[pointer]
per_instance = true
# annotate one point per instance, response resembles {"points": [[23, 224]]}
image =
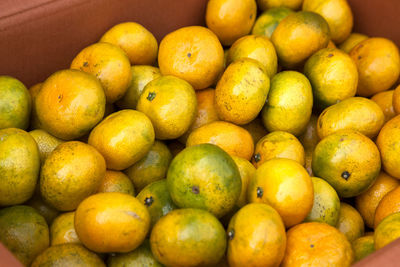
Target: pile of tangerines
{"points": [[282, 149]]}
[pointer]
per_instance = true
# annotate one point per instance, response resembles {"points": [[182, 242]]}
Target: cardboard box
{"points": [[38, 37]]}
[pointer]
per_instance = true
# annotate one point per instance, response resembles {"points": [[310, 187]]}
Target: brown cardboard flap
{"points": [[7, 259], [388, 256], [377, 18], [38, 37]]}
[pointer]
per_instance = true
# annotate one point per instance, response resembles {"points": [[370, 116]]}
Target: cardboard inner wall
{"points": [[38, 37]]}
